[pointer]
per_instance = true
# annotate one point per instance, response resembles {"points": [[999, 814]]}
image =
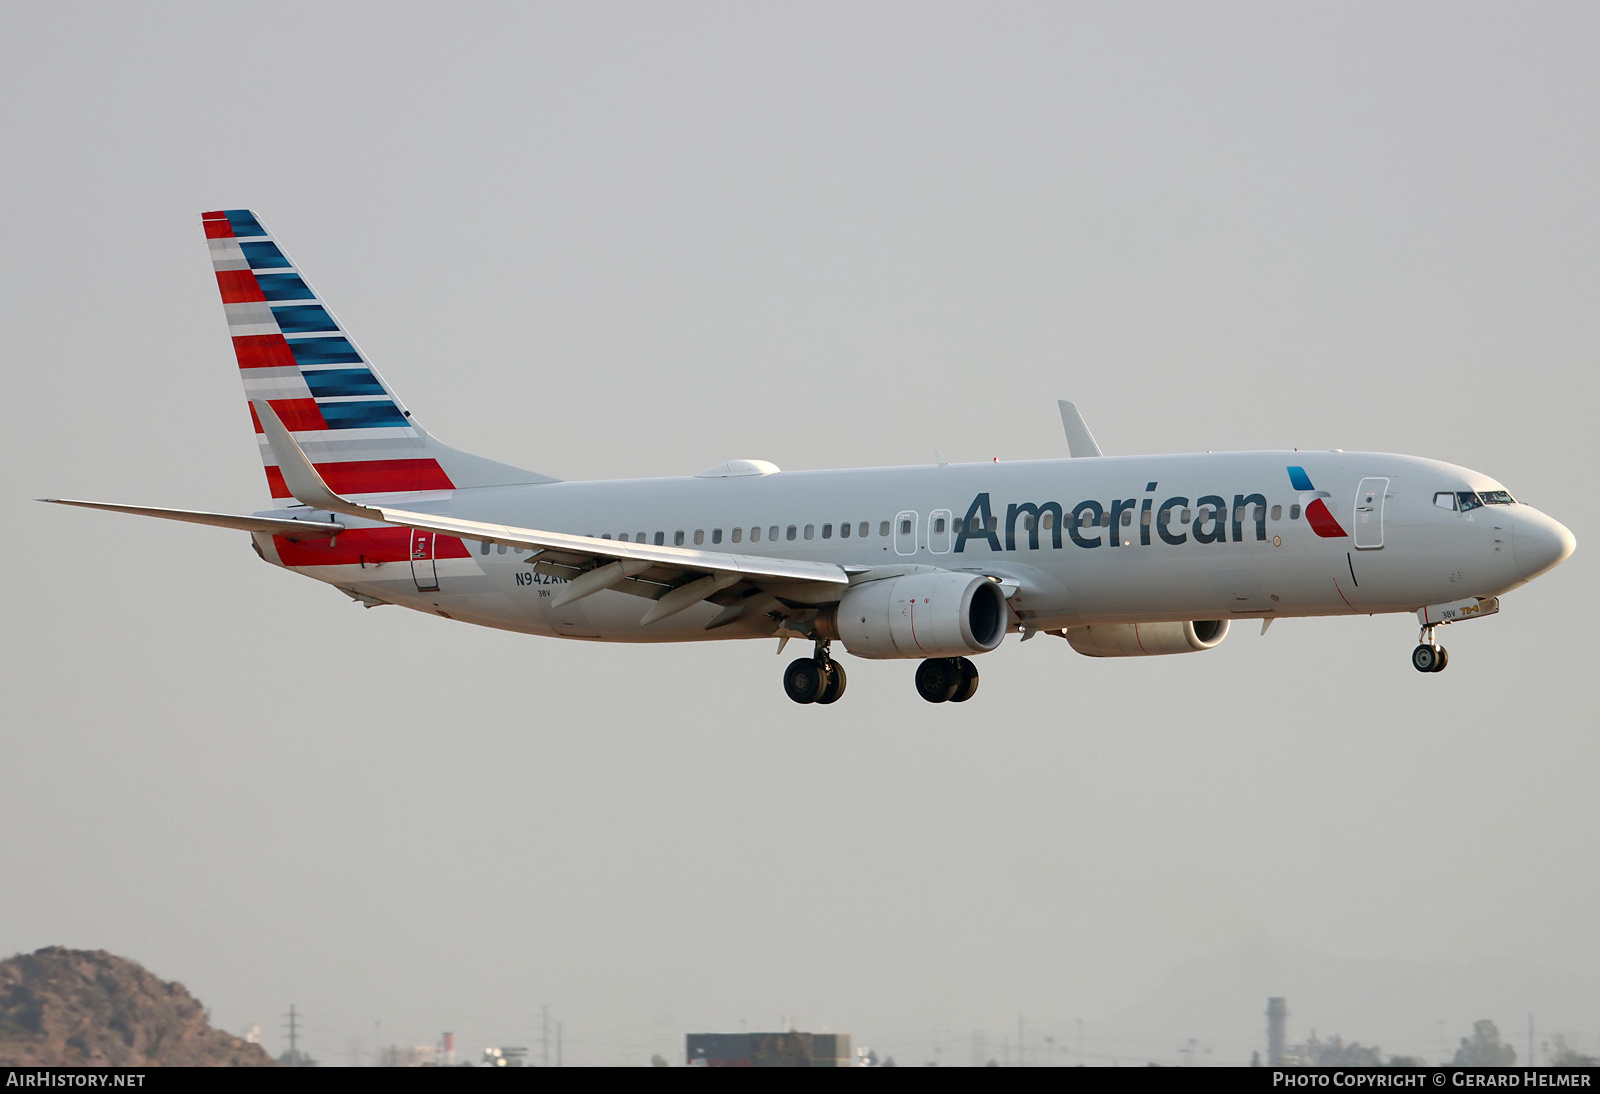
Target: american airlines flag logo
{"points": [[1317, 514]]}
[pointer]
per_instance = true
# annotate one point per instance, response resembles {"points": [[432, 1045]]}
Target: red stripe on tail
{"points": [[372, 477], [297, 415], [263, 351], [238, 286]]}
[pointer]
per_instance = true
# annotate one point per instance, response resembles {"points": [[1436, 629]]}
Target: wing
{"points": [[675, 578]]}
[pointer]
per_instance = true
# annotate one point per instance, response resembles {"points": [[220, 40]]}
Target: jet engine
{"points": [[1147, 639], [939, 614]]}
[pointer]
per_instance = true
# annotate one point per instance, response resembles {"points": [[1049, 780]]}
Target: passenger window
{"points": [[1257, 513], [1146, 517], [994, 524], [938, 526], [500, 548], [863, 530], [811, 530], [661, 539], [791, 533], [827, 531], [1277, 512], [1127, 518], [1048, 520], [755, 534], [1184, 517], [1294, 511], [605, 535], [699, 536], [1105, 520], [905, 528], [883, 528], [716, 535], [1445, 499], [738, 534], [483, 547], [772, 533]]}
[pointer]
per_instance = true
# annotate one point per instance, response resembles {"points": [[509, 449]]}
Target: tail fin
{"points": [[295, 355]]}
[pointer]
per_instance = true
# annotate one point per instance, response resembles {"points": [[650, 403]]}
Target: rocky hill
{"points": [[89, 1008]]}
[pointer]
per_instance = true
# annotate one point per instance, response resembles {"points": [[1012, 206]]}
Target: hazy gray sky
{"points": [[636, 239]]}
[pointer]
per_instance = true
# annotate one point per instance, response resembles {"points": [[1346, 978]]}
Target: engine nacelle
{"points": [[1147, 639], [919, 615]]}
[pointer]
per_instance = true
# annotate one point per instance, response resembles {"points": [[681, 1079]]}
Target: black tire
{"points": [[938, 678], [803, 680], [968, 687], [1425, 658], [1444, 659], [834, 685]]}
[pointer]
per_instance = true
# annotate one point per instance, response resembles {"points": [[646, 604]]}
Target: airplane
{"points": [[1122, 556]]}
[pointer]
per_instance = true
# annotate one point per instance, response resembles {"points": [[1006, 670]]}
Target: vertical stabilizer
{"points": [[294, 354]]}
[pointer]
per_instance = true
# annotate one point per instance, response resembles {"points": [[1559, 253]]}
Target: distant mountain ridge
{"points": [[90, 1008]]}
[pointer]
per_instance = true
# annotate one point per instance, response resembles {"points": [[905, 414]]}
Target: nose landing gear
{"points": [[1429, 656], [815, 679]]}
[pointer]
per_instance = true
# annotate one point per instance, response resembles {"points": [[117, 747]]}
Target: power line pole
{"points": [[294, 1032]]}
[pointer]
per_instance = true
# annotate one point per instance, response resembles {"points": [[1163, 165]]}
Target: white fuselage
{"points": [[1202, 536]]}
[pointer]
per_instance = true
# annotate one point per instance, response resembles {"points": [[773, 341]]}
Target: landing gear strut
{"points": [[815, 679], [947, 679], [1429, 656]]}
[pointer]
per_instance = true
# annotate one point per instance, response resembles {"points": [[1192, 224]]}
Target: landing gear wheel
{"points": [[1426, 658], [803, 680], [833, 687], [1443, 660], [968, 687], [938, 679]]}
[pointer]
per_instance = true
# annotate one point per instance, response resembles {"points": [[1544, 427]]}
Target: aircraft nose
{"points": [[1539, 543]]}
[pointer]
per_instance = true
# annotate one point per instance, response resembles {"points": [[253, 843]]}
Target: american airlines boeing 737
{"points": [[1122, 556]]}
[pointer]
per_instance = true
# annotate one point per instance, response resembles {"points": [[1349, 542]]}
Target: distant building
{"points": [[792, 1049]]}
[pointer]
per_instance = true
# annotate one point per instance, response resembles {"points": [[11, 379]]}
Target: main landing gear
{"points": [[947, 679], [815, 679], [1429, 656]]}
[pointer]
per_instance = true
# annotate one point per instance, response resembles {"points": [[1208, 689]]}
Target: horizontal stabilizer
{"points": [[294, 529]]}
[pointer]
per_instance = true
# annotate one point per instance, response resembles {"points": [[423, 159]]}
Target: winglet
{"points": [[299, 473], [1080, 442]]}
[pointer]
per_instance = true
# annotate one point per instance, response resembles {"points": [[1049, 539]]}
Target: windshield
{"points": [[1469, 500], [1496, 497]]}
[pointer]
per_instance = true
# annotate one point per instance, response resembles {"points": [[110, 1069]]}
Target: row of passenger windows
{"points": [[773, 532], [1463, 500], [863, 529]]}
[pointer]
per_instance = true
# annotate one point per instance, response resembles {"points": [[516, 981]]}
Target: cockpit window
{"points": [[1445, 500], [1496, 497], [1469, 500]]}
